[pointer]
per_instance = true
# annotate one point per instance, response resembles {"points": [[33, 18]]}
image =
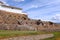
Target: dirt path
{"points": [[34, 37]]}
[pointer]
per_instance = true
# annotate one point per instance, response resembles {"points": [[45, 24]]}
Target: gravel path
{"points": [[33, 37]]}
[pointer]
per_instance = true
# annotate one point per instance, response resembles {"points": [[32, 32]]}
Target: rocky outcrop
{"points": [[14, 21]]}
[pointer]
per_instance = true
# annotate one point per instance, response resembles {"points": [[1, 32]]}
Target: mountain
{"points": [[14, 19]]}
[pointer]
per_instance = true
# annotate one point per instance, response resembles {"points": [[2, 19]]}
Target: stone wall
{"points": [[14, 21]]}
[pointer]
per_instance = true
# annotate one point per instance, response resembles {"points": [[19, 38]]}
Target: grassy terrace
{"points": [[56, 36], [10, 33]]}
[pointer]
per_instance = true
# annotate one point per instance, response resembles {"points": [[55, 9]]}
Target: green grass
{"points": [[56, 36], [10, 33]]}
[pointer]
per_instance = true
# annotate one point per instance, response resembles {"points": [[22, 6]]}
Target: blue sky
{"points": [[48, 10]]}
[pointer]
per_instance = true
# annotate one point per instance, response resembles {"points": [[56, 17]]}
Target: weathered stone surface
{"points": [[16, 27], [14, 21]]}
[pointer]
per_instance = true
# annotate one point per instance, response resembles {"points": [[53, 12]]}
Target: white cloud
{"points": [[4, 2], [11, 10], [34, 6], [42, 3], [18, 0], [57, 17]]}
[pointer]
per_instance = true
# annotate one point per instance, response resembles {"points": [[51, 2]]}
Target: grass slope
{"points": [[10, 33], [56, 36]]}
